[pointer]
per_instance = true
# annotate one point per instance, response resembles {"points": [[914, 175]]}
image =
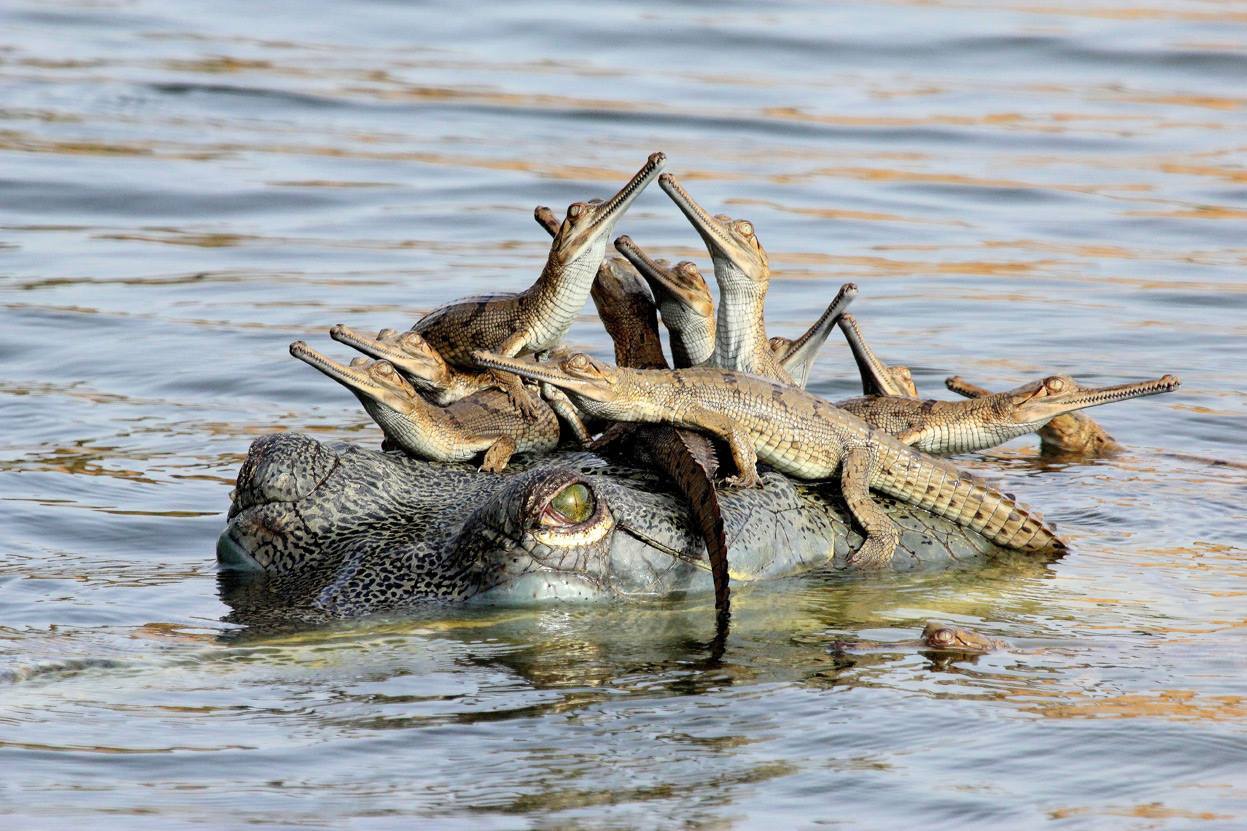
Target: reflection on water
{"points": [[1018, 188]]}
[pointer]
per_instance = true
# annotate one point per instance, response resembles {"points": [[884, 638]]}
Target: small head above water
{"points": [[942, 638], [588, 224], [731, 242]]}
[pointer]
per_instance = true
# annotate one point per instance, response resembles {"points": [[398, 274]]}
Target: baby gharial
{"points": [[486, 422], [981, 423], [799, 434]]}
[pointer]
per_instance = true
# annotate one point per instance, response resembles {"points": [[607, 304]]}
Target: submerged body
{"points": [[337, 530]]}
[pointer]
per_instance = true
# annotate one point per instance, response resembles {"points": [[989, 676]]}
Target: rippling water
{"points": [[1018, 188]]}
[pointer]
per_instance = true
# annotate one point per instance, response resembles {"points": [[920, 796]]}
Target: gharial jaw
{"points": [[682, 282], [1040, 401], [588, 224], [738, 256], [409, 352], [378, 381], [597, 389]]}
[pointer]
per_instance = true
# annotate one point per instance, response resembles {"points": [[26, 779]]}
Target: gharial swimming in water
{"points": [[320, 530]]}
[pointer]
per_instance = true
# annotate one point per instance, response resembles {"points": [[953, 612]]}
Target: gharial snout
{"points": [[281, 467]]}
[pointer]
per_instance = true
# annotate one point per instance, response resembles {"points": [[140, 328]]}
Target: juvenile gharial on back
{"points": [[799, 434], [486, 422], [537, 318], [743, 272]]}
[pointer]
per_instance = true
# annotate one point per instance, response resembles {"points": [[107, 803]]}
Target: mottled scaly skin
{"points": [[980, 423], [688, 458], [542, 314], [741, 342], [627, 312], [683, 299], [743, 273], [320, 530], [488, 422]]}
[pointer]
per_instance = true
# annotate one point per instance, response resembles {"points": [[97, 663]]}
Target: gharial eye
{"points": [[575, 209], [942, 636], [1055, 384], [572, 505], [744, 228]]}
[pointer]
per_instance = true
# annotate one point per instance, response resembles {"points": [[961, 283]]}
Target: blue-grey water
{"points": [[1019, 188]]}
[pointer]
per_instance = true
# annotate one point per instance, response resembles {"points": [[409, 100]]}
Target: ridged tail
{"points": [[689, 458], [944, 491]]}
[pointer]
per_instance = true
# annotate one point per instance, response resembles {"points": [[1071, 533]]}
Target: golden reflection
{"points": [[1177, 705], [1149, 810]]}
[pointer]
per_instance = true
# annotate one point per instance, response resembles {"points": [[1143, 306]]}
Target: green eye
{"points": [[573, 504]]}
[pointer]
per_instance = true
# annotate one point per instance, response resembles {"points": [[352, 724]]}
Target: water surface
{"points": [[1019, 189]]}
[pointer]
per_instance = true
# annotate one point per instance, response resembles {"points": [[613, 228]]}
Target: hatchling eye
{"points": [[575, 209], [1055, 385], [359, 363], [942, 636], [387, 334], [570, 506], [744, 228]]}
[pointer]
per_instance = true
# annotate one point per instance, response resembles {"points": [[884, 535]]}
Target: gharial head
{"points": [[597, 388], [944, 638], [1057, 394], [681, 284], [345, 531], [370, 380], [411, 354], [732, 243], [588, 225], [627, 311]]}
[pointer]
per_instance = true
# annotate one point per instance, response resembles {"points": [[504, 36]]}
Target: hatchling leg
{"points": [[882, 535], [498, 454], [744, 455], [566, 411], [517, 393]]}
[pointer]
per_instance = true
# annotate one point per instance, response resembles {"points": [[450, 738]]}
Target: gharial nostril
{"points": [[281, 467]]}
